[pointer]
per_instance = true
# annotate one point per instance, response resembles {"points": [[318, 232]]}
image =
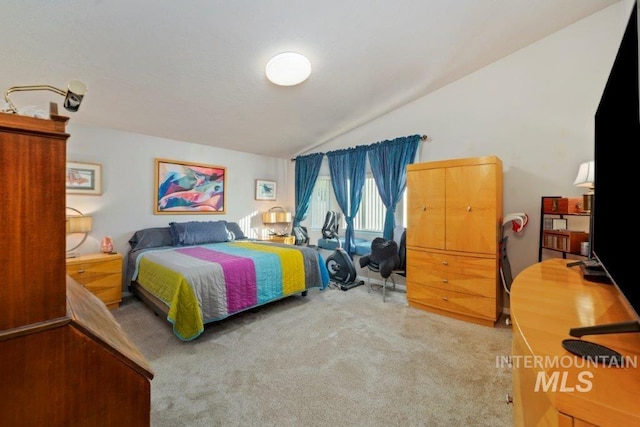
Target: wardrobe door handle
{"points": [[445, 262], [468, 208], [445, 280], [445, 299]]}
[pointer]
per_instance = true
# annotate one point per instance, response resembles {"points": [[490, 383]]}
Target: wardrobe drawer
{"points": [[421, 261], [456, 302], [472, 285]]}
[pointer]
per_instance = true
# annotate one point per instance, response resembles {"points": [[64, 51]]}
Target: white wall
{"points": [[534, 109], [127, 201]]}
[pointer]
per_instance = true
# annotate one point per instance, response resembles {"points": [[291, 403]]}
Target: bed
{"points": [[200, 272]]}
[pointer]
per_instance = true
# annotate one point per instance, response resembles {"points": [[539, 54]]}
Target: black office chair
{"points": [[387, 258]]}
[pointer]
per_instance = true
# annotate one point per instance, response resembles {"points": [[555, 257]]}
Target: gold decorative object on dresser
{"points": [[64, 360], [552, 387], [453, 233], [101, 274]]}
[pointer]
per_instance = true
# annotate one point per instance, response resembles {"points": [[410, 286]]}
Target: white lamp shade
{"points": [[288, 69], [586, 175]]}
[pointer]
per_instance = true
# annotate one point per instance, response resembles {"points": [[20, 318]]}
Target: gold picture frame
{"points": [[189, 188]]}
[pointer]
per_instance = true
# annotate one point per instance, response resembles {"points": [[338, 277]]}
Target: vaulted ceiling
{"points": [[194, 70]]}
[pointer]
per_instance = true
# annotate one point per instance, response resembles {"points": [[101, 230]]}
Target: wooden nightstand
{"points": [[99, 273], [288, 240]]}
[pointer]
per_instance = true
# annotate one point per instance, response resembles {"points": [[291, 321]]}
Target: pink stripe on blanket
{"points": [[239, 276]]}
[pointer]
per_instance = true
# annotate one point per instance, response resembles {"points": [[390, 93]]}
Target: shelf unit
{"points": [[564, 241]]}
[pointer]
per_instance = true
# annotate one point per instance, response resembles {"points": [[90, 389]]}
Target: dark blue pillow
{"points": [[151, 238], [198, 232], [235, 232]]}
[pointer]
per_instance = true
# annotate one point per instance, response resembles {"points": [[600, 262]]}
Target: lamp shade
{"points": [[79, 224], [276, 217], [586, 175], [288, 69]]}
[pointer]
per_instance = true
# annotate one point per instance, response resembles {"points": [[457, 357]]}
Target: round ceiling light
{"points": [[288, 69]]}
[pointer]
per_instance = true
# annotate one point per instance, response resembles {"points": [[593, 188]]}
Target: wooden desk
{"points": [[547, 299]]}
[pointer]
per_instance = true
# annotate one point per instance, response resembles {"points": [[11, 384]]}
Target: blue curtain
{"points": [[307, 168], [389, 160], [347, 168]]}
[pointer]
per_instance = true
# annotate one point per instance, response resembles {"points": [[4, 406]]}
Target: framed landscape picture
{"points": [[265, 190], [84, 178], [189, 188]]}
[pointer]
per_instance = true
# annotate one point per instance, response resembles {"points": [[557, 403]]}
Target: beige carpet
{"points": [[332, 358]]}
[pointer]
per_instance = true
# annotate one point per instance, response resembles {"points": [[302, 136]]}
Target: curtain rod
{"points": [[422, 138]]}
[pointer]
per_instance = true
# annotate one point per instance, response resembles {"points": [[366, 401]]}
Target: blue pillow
{"points": [[235, 232], [198, 232], [151, 238]]}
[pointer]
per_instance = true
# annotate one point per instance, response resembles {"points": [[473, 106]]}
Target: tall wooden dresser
{"points": [[453, 235], [64, 360]]}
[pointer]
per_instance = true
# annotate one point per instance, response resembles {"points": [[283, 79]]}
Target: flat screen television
{"points": [[617, 131]]}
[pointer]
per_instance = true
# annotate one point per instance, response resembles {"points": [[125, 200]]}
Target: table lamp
{"points": [[72, 96], [78, 223], [586, 178], [277, 215]]}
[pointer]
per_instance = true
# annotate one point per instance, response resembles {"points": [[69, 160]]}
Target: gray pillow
{"points": [[151, 238], [235, 232], [198, 232]]}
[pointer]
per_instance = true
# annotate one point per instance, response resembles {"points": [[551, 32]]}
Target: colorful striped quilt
{"points": [[206, 283]]}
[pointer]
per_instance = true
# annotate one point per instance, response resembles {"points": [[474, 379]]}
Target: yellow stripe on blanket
{"points": [[175, 291], [293, 277]]}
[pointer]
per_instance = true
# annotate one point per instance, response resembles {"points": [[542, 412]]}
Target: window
{"points": [[322, 200], [370, 215]]}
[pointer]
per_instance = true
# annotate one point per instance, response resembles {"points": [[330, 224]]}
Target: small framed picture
{"points": [[265, 190], [84, 178], [559, 224]]}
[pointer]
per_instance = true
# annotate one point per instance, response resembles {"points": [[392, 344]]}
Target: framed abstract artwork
{"points": [[265, 190], [84, 178], [189, 188]]}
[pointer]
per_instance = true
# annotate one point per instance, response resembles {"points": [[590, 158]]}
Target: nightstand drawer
{"points": [[88, 270], [101, 274]]}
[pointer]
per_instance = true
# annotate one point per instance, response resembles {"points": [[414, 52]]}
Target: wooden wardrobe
{"points": [[64, 360], [453, 235]]}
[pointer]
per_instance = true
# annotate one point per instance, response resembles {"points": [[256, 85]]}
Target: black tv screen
{"points": [[617, 134]]}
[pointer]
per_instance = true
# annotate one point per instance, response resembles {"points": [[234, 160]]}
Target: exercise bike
{"points": [[342, 271]]}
